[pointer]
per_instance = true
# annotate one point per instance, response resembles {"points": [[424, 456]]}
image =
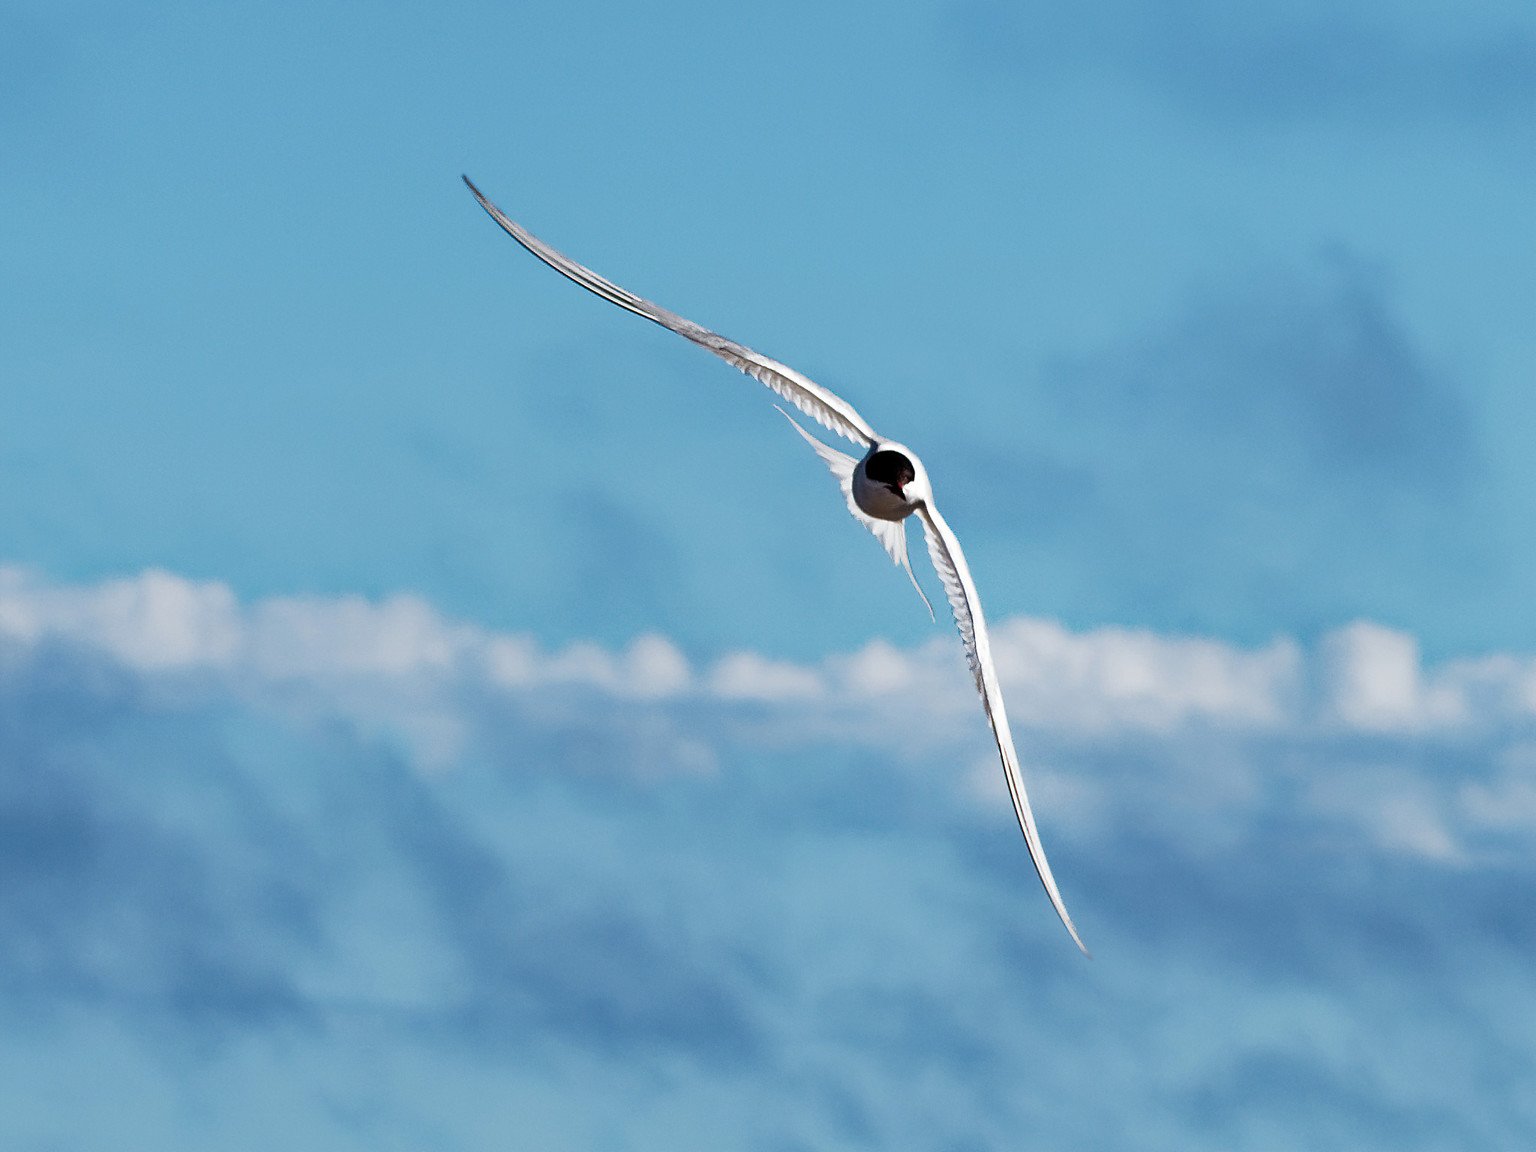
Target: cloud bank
{"points": [[346, 873]]}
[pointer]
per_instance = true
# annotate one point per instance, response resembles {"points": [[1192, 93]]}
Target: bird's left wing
{"points": [[801, 391], [945, 552]]}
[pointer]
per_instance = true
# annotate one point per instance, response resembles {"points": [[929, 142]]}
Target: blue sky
{"points": [[440, 710]]}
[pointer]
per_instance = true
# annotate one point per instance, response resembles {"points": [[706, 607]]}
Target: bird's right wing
{"points": [[805, 394], [945, 552], [892, 534]]}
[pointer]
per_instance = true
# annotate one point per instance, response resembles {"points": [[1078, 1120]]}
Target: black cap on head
{"points": [[890, 468]]}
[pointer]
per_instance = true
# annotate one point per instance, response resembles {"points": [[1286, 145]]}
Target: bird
{"points": [[883, 487]]}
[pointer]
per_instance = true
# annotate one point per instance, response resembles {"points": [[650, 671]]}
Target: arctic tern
{"points": [[883, 487]]}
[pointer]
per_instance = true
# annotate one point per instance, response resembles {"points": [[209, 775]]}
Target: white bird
{"points": [[883, 487]]}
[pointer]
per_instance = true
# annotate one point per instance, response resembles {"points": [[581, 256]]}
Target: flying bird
{"points": [[883, 487]]}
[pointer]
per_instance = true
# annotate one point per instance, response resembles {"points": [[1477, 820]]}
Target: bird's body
{"points": [[883, 487], [889, 483]]}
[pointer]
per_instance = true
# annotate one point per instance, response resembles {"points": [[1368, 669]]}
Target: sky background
{"points": [[438, 710]]}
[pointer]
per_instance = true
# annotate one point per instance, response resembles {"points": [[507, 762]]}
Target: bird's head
{"points": [[898, 469]]}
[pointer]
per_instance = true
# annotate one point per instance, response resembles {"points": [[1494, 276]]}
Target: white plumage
{"points": [[883, 488]]}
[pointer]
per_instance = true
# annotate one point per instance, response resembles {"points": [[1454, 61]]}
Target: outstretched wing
{"points": [[892, 534], [950, 562], [804, 393]]}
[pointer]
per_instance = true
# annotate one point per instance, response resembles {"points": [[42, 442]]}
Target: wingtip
{"points": [[1066, 922], [912, 576], [798, 427]]}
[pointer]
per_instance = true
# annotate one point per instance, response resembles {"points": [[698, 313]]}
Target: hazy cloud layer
{"points": [[376, 872]]}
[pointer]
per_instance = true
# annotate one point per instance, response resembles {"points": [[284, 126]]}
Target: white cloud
{"points": [[1113, 678], [152, 622], [310, 637], [1363, 677], [398, 668], [1373, 681], [654, 669], [748, 676], [1372, 678]]}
